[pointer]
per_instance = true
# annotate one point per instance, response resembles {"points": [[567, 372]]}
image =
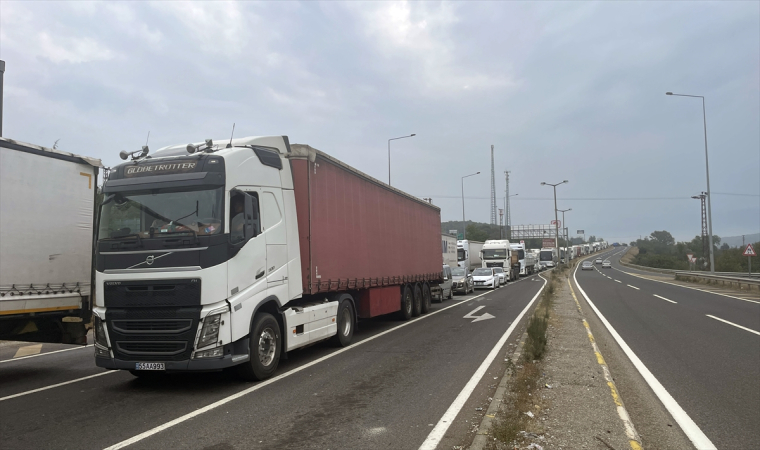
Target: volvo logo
{"points": [[149, 260]]}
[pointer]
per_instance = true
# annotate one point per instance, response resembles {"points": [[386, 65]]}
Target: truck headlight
{"points": [[210, 330], [100, 332]]}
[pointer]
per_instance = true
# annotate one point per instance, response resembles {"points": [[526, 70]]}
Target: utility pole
{"points": [[501, 222], [701, 197], [556, 219], [2, 82], [464, 224], [508, 230], [493, 192]]}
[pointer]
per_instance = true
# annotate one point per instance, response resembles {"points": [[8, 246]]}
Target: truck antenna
{"points": [[146, 139], [233, 133]]}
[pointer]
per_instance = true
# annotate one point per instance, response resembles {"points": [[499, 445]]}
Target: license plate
{"points": [[150, 366], [478, 282]]}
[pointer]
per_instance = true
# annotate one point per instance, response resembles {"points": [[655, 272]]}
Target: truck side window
{"points": [[245, 220]]}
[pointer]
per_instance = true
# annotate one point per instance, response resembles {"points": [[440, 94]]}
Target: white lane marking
{"points": [[667, 300], [44, 354], [618, 281], [687, 287], [485, 316], [262, 384], [731, 323], [21, 394], [632, 287], [435, 436], [28, 350], [692, 431]]}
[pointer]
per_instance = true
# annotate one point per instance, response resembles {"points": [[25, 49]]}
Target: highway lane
{"points": [[384, 392], [709, 367]]}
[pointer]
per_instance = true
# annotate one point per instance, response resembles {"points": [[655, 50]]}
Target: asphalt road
{"points": [[710, 367], [387, 390]]}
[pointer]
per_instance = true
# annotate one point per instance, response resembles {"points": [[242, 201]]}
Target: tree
{"points": [[663, 237], [724, 246], [592, 239], [476, 233]]}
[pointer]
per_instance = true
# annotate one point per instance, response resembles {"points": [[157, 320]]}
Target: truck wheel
{"points": [[264, 347], [417, 309], [346, 321], [407, 298], [426, 301]]}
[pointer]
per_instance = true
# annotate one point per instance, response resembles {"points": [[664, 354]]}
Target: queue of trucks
{"points": [[204, 256]]}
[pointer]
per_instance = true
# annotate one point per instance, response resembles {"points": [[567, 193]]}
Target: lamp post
{"points": [[556, 224], [563, 211], [707, 172], [464, 225], [389, 154]]}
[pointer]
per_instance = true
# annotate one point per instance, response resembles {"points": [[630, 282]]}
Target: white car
{"points": [[485, 278], [502, 275]]}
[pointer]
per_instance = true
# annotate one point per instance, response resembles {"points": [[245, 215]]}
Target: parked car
{"points": [[598, 260], [447, 287], [462, 280], [587, 265], [485, 278], [502, 275], [606, 265]]}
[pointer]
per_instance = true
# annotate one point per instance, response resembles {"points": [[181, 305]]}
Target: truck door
{"points": [[246, 270]]}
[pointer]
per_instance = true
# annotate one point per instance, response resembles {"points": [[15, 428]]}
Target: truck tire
{"points": [[346, 320], [407, 298], [264, 349], [417, 305], [426, 301]]}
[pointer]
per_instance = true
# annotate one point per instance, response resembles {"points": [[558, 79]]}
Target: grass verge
{"points": [[512, 423]]}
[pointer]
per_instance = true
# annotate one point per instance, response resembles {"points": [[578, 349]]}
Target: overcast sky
{"points": [[562, 90]]}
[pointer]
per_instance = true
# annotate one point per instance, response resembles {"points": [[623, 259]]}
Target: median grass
{"points": [[512, 423]]}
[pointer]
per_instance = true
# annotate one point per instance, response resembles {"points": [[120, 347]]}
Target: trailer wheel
{"points": [[346, 321], [407, 298], [417, 309], [264, 347], [426, 301]]}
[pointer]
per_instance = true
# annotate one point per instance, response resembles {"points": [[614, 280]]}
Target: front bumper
{"points": [[209, 364]]}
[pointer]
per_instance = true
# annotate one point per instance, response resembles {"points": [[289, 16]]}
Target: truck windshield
{"points": [[520, 254], [460, 254], [495, 253], [147, 214], [546, 255]]}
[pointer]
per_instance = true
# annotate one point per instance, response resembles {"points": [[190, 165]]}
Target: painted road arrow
{"points": [[485, 316]]}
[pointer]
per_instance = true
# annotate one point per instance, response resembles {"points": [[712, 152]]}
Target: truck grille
{"points": [[495, 264], [165, 326], [151, 348]]}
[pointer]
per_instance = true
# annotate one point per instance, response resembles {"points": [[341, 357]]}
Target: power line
{"points": [[568, 198], [731, 193]]}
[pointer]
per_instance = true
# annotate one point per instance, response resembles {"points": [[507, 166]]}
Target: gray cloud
{"points": [[563, 90]]}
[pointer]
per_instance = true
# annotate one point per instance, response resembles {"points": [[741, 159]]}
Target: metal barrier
{"points": [[749, 283], [696, 272]]}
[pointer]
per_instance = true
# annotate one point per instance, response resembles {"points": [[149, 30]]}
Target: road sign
{"points": [[580, 232], [548, 243], [460, 236], [689, 256], [522, 242], [749, 251], [692, 259], [557, 222]]}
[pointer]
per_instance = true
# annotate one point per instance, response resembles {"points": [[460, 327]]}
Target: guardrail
{"points": [[743, 283], [697, 272]]}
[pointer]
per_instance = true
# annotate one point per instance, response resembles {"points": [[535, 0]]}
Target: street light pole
{"points": [[389, 154], [464, 225], [556, 219], [707, 171], [564, 225], [508, 226]]}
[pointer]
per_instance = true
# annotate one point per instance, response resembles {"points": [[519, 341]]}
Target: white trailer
{"points": [[548, 257], [47, 202], [449, 249], [468, 254], [527, 259]]}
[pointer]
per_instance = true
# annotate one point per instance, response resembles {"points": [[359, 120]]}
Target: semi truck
{"points": [[548, 257], [527, 259], [449, 249], [211, 256], [468, 254], [499, 253], [47, 203]]}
